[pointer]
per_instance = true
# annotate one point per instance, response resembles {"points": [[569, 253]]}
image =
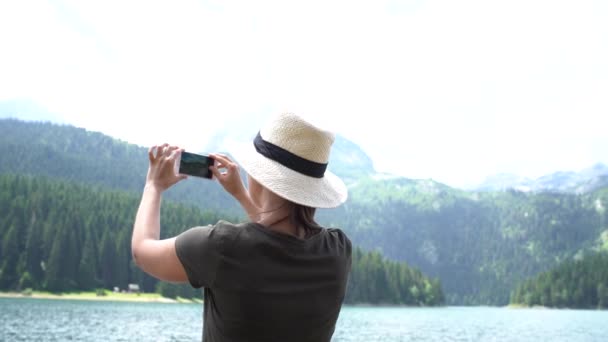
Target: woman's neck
{"points": [[278, 221], [273, 212]]}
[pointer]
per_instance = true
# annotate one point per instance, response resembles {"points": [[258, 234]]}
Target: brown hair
{"points": [[303, 217]]}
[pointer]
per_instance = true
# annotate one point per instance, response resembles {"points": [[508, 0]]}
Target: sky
{"points": [[450, 90]]}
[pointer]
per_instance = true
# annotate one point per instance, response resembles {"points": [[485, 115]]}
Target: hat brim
{"points": [[326, 192]]}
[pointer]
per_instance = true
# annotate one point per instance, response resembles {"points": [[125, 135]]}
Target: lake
{"points": [[72, 320]]}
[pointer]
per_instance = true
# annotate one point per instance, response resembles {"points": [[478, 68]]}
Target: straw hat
{"points": [[289, 157]]}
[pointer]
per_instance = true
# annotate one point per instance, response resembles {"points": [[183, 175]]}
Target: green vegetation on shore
{"points": [[376, 280], [97, 295], [579, 283]]}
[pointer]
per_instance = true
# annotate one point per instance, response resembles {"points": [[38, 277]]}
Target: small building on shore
{"points": [[134, 288]]}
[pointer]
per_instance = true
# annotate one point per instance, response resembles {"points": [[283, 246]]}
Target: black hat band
{"points": [[288, 159]]}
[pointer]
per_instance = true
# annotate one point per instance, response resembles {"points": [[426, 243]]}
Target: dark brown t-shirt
{"points": [[265, 286]]}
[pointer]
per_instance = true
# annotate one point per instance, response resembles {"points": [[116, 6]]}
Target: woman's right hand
{"points": [[161, 172]]}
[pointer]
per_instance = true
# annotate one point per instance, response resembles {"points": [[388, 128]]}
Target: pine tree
{"points": [[55, 280], [33, 253], [123, 253], [107, 261], [87, 268], [10, 257], [602, 294]]}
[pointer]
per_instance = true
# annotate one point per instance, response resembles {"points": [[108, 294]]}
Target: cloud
{"points": [[451, 90]]}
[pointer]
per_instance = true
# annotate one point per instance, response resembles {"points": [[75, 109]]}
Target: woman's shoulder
{"points": [[233, 230], [235, 227], [220, 230], [336, 232], [339, 237]]}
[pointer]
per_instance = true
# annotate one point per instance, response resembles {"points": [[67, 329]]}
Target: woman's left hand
{"points": [[161, 172], [230, 178]]}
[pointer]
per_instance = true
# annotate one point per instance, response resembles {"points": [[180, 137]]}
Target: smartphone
{"points": [[196, 165]]}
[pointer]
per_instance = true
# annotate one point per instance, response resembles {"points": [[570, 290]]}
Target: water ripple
{"points": [[64, 320]]}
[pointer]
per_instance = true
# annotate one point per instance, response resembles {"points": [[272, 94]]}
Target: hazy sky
{"points": [[449, 90]]}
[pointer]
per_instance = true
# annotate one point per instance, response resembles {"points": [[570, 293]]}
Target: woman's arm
{"points": [[154, 256]]}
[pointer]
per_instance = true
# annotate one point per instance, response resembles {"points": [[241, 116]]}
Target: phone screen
{"points": [[195, 165]]}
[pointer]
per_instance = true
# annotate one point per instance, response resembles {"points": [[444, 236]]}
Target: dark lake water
{"points": [[65, 320]]}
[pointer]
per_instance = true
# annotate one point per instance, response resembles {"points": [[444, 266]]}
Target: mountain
{"points": [[505, 181], [75, 154], [479, 244], [584, 181]]}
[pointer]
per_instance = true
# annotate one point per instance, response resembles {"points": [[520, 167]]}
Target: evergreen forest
{"points": [[580, 283], [59, 236]]}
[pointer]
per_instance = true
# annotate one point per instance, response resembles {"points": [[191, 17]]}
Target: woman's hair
{"points": [[303, 217]]}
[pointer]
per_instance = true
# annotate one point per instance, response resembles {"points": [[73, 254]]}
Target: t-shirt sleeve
{"points": [[199, 249]]}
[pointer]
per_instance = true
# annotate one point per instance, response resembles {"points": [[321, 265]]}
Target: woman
{"points": [[279, 277]]}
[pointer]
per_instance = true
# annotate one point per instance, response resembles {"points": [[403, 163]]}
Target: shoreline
{"points": [[157, 298], [109, 297]]}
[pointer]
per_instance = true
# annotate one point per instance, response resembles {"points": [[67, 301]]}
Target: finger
{"points": [[177, 150], [219, 157], [216, 162], [178, 153], [163, 148], [224, 166], [173, 152], [222, 159], [151, 153], [216, 173]]}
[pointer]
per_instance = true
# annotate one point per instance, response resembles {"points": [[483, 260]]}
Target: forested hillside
{"points": [[61, 236], [581, 283], [75, 154], [479, 244]]}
